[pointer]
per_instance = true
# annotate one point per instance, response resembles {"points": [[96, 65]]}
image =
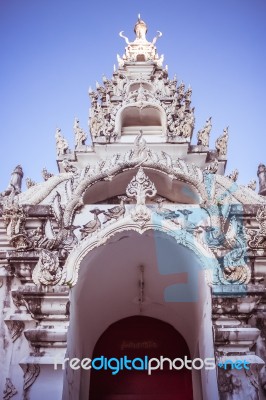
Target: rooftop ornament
{"points": [[135, 48]]}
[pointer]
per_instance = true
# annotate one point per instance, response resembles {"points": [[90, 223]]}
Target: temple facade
{"points": [[139, 247]]}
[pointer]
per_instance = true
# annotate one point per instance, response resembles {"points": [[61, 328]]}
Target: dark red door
{"points": [[139, 337]]}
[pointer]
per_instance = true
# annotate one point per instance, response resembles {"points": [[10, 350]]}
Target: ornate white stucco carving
{"points": [[204, 134], [141, 187], [252, 184], [30, 183], [80, 135], [61, 143], [47, 270], [152, 91], [141, 124], [31, 373], [257, 237], [140, 46], [221, 143], [234, 175], [207, 257], [9, 390]]}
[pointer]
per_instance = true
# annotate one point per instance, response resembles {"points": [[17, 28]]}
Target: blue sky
{"points": [[53, 50]]}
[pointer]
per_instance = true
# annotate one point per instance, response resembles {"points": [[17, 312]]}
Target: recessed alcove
{"points": [[140, 57], [149, 118], [138, 116]]}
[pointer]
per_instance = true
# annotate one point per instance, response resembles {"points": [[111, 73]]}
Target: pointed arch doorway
{"points": [[137, 337]]}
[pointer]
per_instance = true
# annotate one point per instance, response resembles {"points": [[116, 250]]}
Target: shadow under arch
{"points": [[105, 272], [177, 190], [139, 338]]}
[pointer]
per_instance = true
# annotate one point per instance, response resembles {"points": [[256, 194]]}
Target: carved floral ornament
{"points": [[141, 187]]}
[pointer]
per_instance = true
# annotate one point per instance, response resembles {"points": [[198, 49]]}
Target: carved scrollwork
{"points": [[180, 120], [252, 184], [234, 175], [14, 217], [47, 271], [257, 238], [15, 328], [235, 274], [228, 382], [46, 175], [204, 134], [221, 143], [212, 168], [31, 373], [9, 390], [30, 183], [102, 122]]}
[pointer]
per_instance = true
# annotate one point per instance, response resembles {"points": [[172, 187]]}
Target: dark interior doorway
{"points": [[134, 337]]}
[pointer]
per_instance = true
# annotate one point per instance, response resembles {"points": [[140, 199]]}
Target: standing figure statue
{"points": [[80, 135], [204, 133], [15, 183], [61, 143]]}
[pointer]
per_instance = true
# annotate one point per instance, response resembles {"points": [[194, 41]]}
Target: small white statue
{"points": [[61, 143], [80, 135]]}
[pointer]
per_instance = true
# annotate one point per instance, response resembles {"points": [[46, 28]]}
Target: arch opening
{"points": [[108, 290], [138, 337]]}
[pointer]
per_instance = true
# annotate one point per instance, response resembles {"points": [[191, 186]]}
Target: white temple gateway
{"points": [[138, 248]]}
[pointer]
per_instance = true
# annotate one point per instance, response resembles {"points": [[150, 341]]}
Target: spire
{"points": [[140, 49], [140, 30]]}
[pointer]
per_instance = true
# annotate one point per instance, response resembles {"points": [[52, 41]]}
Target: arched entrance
{"points": [[149, 275], [137, 337]]}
